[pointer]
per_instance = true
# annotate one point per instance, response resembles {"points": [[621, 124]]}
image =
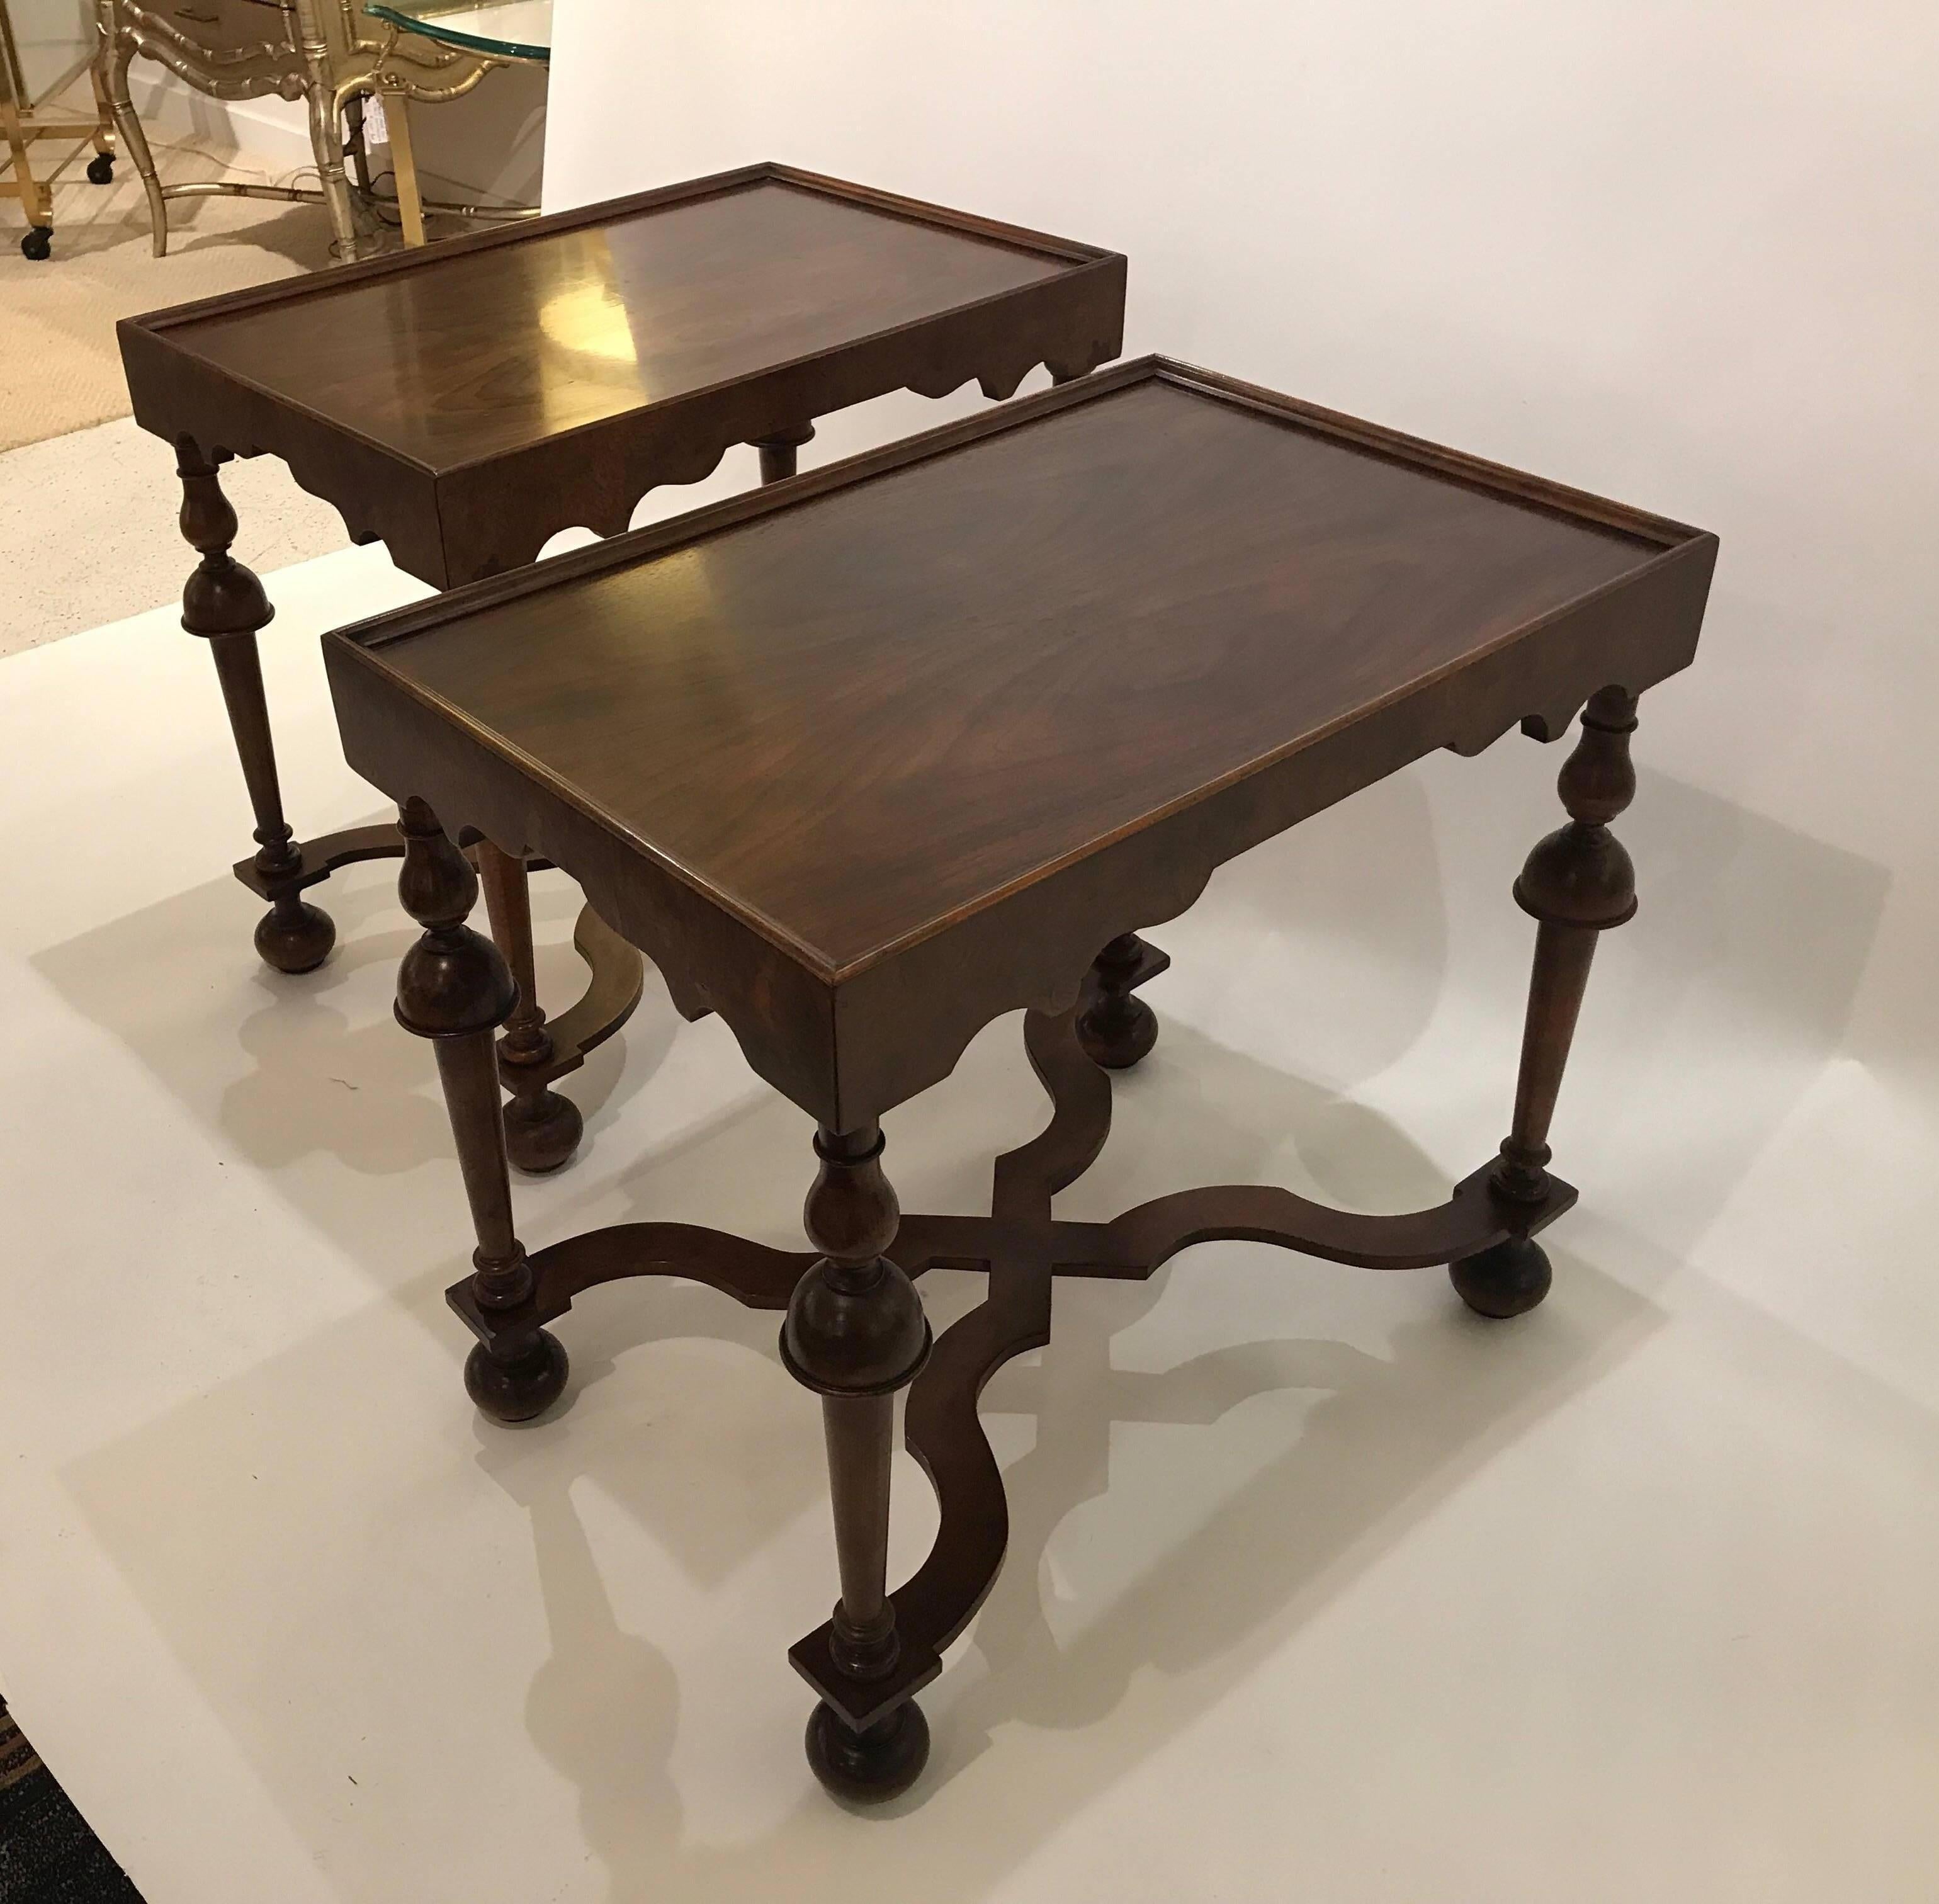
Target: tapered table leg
{"points": [[542, 1128], [855, 1333], [224, 604], [454, 989], [779, 452], [1578, 883]]}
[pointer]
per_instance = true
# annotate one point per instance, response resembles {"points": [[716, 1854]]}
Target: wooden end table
{"points": [[463, 404], [993, 698]]}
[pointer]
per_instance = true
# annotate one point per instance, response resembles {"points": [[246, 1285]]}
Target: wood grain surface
{"points": [[920, 726]]}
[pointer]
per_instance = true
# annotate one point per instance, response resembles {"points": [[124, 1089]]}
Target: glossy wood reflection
{"points": [[867, 759], [521, 341], [1090, 619]]}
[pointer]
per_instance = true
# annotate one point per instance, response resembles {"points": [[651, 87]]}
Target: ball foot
{"points": [[100, 169], [295, 936], [516, 1391], [38, 244], [1117, 1032], [866, 1767], [541, 1130], [1506, 1280]]}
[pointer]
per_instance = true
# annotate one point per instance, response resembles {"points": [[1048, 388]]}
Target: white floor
{"points": [[1319, 1588]]}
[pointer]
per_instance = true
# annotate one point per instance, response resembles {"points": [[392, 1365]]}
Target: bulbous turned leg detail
{"points": [[512, 1388], [1577, 884], [454, 989], [870, 1767], [225, 603], [543, 1127], [855, 1333], [294, 936], [1509, 1280], [1117, 1028]]}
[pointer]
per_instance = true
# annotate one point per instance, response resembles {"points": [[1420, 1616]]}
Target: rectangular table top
{"points": [[675, 323], [990, 697], [854, 715]]}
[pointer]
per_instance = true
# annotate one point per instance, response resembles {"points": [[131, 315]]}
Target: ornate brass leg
{"points": [[113, 53], [855, 1333], [326, 136], [103, 119], [542, 1128], [1578, 883], [225, 604], [454, 989]]}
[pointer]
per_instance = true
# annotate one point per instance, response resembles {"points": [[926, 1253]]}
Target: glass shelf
{"points": [[508, 29]]}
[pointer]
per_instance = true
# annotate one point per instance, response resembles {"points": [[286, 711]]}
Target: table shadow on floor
{"points": [[281, 1068], [1397, 1395]]}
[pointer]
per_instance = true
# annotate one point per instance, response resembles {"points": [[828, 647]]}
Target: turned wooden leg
{"points": [[224, 604], [778, 451], [542, 1128], [855, 1333], [1577, 884], [1118, 1028], [454, 989]]}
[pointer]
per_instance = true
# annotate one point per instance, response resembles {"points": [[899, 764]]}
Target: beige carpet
{"points": [[59, 370], [96, 511]]}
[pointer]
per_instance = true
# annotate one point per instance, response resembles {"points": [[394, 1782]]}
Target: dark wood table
{"points": [[867, 762], [464, 404]]}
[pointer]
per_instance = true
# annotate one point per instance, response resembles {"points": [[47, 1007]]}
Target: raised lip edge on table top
{"points": [[338, 278], [1661, 541], [159, 326]]}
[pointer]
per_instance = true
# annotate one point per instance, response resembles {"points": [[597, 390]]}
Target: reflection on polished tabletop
{"points": [[509, 346], [466, 401], [1242, 582]]}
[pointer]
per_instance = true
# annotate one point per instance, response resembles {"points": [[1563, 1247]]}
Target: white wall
{"points": [[1687, 256], [52, 37]]}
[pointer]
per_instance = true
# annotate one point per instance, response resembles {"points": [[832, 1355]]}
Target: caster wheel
{"points": [[294, 936], [516, 1391], [1506, 1280], [1118, 1033], [542, 1132], [38, 244], [866, 1767], [100, 169]]}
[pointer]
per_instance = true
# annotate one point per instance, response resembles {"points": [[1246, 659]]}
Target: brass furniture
{"points": [[332, 54], [507, 32], [25, 120]]}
